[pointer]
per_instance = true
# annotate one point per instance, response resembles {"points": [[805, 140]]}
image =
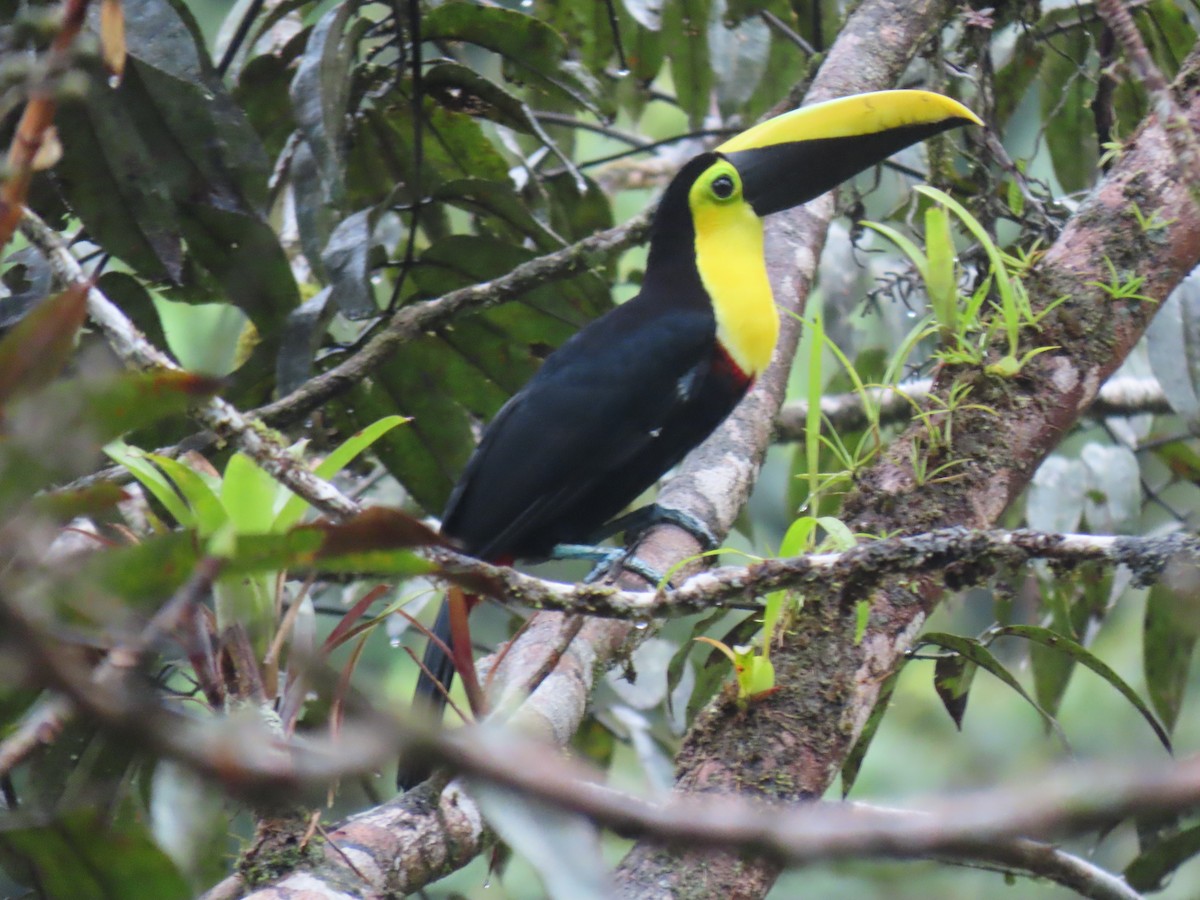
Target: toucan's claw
{"points": [[641, 520], [607, 561]]}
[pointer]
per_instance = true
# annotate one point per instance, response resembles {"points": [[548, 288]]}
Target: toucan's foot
{"points": [[646, 517], [608, 560]]}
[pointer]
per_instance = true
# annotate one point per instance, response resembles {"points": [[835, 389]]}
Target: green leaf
{"points": [[973, 651], [952, 677], [461, 89], [115, 185], [1066, 98], [498, 203], [1150, 870], [685, 26], [341, 457], [147, 573], [739, 57], [940, 281], [320, 94], [854, 759], [532, 49], [209, 513], [1168, 640], [346, 258], [248, 494], [163, 490], [862, 615], [82, 856]]}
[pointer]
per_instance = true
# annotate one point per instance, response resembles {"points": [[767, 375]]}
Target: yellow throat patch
{"points": [[729, 258]]}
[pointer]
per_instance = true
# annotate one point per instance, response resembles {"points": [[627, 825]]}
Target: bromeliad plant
{"points": [[965, 332], [225, 508]]}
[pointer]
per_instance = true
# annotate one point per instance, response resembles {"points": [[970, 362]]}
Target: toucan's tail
{"points": [[429, 699]]}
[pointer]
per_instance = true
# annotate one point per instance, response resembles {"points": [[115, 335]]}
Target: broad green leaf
{"points": [[320, 95], [1052, 670], [1066, 98], [685, 26], [138, 463], [785, 63], [532, 49], [135, 301], [248, 494], [347, 264], [81, 856], [147, 573], [1085, 657], [461, 89], [210, 514], [116, 185], [497, 202], [940, 282], [380, 163], [341, 457], [1168, 640], [739, 54]]}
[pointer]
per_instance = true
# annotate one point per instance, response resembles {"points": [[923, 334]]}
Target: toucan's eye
{"points": [[723, 187]]}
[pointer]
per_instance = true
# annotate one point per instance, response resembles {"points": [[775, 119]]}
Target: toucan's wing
{"points": [[596, 404]]}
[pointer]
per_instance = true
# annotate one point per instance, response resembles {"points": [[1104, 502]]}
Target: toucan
{"points": [[625, 399]]}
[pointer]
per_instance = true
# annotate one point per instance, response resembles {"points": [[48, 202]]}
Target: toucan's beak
{"points": [[788, 160]]}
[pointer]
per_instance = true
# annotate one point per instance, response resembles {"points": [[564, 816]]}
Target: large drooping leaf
{"points": [[114, 183], [1085, 657], [975, 652], [461, 89], [854, 759], [1174, 336], [739, 55], [1150, 870], [533, 51], [685, 27], [167, 173], [461, 375], [1066, 96], [320, 93], [82, 856], [382, 153], [347, 258], [1169, 635]]}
